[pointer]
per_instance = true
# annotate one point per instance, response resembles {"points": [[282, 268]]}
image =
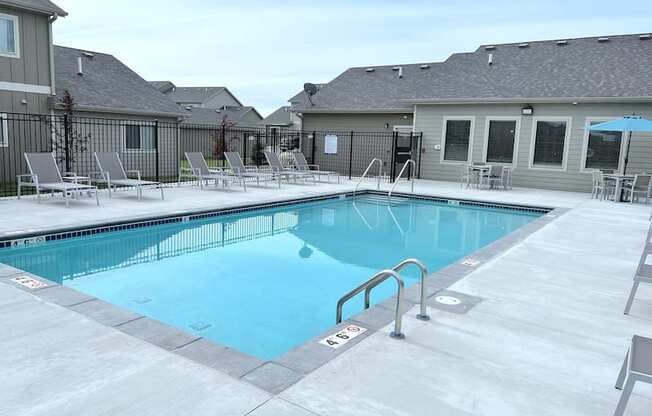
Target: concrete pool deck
{"points": [[548, 336]]}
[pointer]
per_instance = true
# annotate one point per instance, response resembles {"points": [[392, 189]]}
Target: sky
{"points": [[264, 51]]}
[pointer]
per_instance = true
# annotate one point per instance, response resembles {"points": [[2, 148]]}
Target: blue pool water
{"points": [[265, 281]]}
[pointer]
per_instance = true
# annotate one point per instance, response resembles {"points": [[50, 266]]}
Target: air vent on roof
{"points": [[562, 42], [489, 48], [370, 69], [425, 66], [645, 37], [400, 71], [490, 59], [80, 66], [189, 107], [88, 54], [523, 45], [603, 40]]}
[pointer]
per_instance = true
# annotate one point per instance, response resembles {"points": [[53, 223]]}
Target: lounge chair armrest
{"points": [[312, 166], [29, 177], [73, 174], [98, 175], [217, 170], [137, 172]]}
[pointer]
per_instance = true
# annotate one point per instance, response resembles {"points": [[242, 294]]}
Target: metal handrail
{"points": [[398, 178], [423, 313], [380, 172], [379, 277]]}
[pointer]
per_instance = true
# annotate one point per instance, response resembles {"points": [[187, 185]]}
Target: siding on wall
{"points": [[33, 66], [354, 121], [430, 118]]}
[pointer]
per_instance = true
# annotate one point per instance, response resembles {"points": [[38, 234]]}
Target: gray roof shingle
{"points": [[163, 86], [210, 116], [280, 117], [41, 6], [108, 85], [193, 94], [584, 68]]}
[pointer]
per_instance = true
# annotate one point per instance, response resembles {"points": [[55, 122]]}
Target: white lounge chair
{"points": [[112, 173], [302, 166], [278, 169], [238, 169], [203, 174], [45, 176]]}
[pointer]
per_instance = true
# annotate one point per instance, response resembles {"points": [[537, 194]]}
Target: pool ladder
{"points": [[379, 278], [398, 178], [371, 164]]}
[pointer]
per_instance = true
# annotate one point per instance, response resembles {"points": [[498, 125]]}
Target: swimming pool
{"points": [[265, 281]]}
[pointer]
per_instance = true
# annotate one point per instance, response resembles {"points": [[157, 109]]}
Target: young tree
{"points": [[223, 138], [68, 143]]}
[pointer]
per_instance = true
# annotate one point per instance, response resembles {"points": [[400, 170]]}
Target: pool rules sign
{"points": [[341, 337]]}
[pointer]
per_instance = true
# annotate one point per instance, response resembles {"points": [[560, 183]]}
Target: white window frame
{"points": [[14, 19], [564, 161], [585, 144], [4, 137], [141, 125], [517, 133], [469, 157]]}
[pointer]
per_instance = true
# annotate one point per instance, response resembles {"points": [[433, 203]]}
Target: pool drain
{"points": [[448, 300]]}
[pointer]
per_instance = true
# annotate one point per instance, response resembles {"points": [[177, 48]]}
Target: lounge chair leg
{"points": [[623, 373], [18, 190], [632, 294], [624, 397], [162, 194], [65, 196], [38, 195], [97, 197]]}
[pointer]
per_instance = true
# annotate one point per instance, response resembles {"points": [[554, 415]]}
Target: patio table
{"points": [[620, 180], [481, 170]]}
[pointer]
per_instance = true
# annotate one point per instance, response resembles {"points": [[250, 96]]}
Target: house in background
{"points": [[525, 105], [26, 62], [198, 101], [283, 117]]}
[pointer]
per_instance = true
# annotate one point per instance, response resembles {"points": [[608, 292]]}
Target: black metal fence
{"points": [[156, 148]]}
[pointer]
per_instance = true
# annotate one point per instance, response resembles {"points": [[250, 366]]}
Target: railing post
{"points": [[409, 172], [314, 138], [351, 155], [244, 146], [158, 173], [392, 168], [420, 144], [66, 141]]}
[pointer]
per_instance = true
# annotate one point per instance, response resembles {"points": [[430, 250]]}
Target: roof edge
{"points": [[110, 110], [401, 110], [55, 11], [521, 100]]}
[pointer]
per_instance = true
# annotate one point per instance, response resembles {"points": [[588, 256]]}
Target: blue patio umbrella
{"points": [[627, 124]]}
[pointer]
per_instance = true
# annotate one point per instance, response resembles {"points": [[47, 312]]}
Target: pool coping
{"points": [[273, 376]]}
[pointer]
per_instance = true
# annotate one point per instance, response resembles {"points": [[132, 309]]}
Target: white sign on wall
{"points": [[330, 144]]}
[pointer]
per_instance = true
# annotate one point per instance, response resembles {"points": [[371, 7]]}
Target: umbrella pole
{"points": [[629, 139]]}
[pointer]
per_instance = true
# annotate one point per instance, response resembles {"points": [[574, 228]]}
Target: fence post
{"points": [[244, 145], [350, 154], [312, 151], [392, 168], [157, 151], [409, 176], [420, 147], [66, 141], [257, 150]]}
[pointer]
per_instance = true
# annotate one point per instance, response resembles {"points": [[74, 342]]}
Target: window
{"points": [[602, 148], [4, 131], [139, 137], [457, 140], [9, 36], [501, 141], [549, 143]]}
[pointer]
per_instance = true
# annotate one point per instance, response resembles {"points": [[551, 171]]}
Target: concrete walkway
{"points": [[547, 338]]}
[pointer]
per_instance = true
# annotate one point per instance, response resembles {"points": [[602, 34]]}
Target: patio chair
{"points": [[641, 187], [637, 366], [113, 173], [302, 166], [603, 188], [278, 169], [498, 176], [643, 275], [238, 169], [203, 174], [467, 176], [45, 176]]}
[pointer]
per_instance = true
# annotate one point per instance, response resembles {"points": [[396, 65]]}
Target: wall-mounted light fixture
{"points": [[386, 125], [528, 110]]}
